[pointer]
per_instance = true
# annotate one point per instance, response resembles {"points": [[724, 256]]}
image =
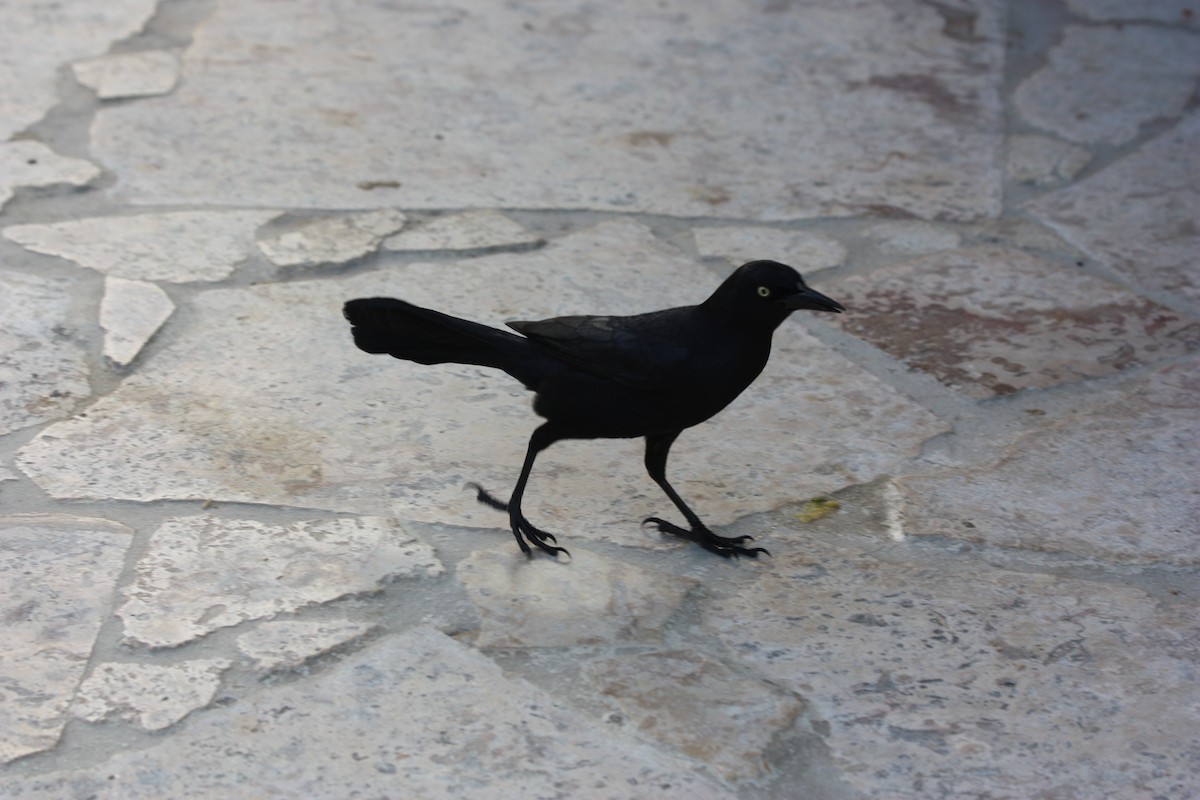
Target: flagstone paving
{"points": [[238, 557]]}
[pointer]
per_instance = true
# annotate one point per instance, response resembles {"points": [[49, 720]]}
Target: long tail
{"points": [[412, 333]]}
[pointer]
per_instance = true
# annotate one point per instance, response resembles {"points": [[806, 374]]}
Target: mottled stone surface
{"points": [[1041, 160], [59, 32], [619, 106], [177, 246], [909, 238], [803, 250], [1123, 472], [1169, 11], [1140, 215], [330, 240], [143, 74], [1083, 94], [234, 411], [952, 680], [131, 313], [697, 706], [201, 573], [991, 321], [155, 697], [29, 163], [471, 230], [292, 643], [43, 371], [423, 715], [58, 572], [543, 603]]}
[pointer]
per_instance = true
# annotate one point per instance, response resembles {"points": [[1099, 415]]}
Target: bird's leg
{"points": [[522, 528], [657, 447], [488, 499]]}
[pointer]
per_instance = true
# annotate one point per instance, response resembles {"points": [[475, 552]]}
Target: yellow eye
{"points": [[764, 291]]}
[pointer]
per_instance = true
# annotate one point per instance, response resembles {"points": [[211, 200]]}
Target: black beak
{"points": [[812, 300]]}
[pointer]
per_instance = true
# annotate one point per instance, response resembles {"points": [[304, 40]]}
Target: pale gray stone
{"points": [[142, 74], [201, 573], [696, 706], [131, 312], [992, 321], [1101, 85], [7, 474], [232, 410], [801, 249], [154, 696], [292, 643], [470, 230], [1141, 215], [417, 715], [26, 162], [43, 370], [911, 238], [680, 107], [954, 680], [177, 246], [330, 240], [37, 38], [1116, 481], [58, 574], [1041, 160], [541, 603]]}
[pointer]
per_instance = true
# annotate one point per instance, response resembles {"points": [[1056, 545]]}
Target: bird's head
{"points": [[772, 290]]}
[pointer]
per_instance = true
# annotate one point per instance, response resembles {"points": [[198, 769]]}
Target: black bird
{"points": [[596, 377]]}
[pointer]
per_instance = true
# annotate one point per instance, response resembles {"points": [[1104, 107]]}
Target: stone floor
{"points": [[237, 557]]}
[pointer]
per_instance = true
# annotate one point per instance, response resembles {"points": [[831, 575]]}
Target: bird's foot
{"points": [[522, 528], [486, 497], [726, 546]]}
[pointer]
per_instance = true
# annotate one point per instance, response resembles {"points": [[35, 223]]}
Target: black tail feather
{"points": [[412, 333]]}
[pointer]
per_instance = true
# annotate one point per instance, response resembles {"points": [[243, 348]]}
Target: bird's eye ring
{"points": [[763, 291]]}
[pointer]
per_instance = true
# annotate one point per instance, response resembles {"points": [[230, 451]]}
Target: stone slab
{"points": [[1117, 480], [142, 74], [131, 312], [332, 239], [201, 573], [948, 680], [801, 249], [175, 246], [542, 603], [992, 321], [904, 237], [1085, 95], [26, 162], [233, 410], [697, 706], [470, 230], [1140, 215], [59, 573], [1043, 161], [43, 368], [620, 106], [151, 695], [63, 31], [416, 715], [290, 644]]}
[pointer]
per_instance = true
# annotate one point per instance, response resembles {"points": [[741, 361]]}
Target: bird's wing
{"points": [[642, 352]]}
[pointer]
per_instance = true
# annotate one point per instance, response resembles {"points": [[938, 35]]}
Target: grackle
{"points": [[596, 377]]}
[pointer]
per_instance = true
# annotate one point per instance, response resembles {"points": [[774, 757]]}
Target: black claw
{"points": [[724, 546]]}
